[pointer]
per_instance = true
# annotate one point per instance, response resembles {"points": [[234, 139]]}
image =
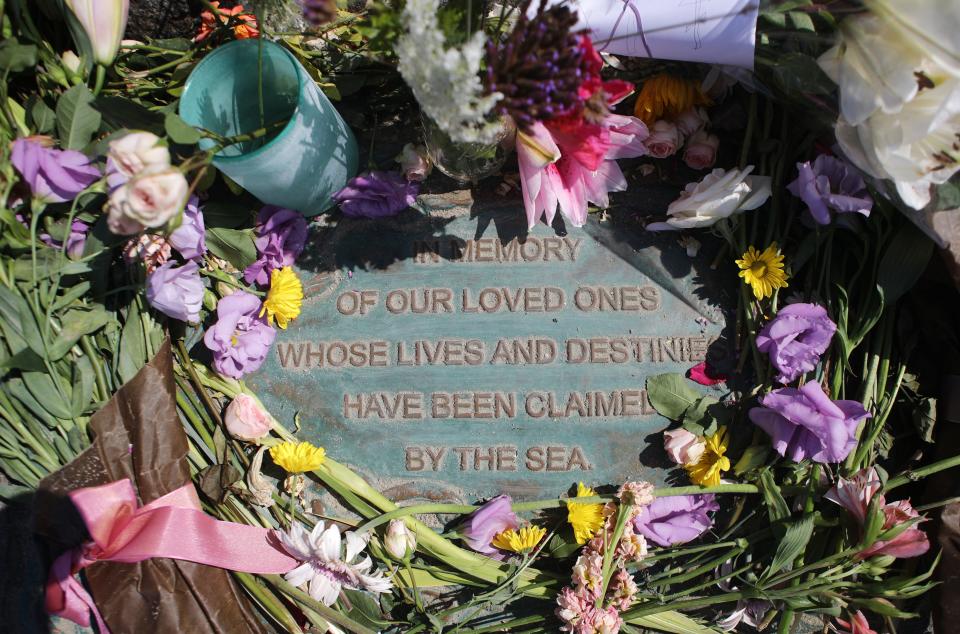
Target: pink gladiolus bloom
{"points": [[856, 493], [912, 542]]}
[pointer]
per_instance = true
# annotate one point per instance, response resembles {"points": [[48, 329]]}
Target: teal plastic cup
{"points": [[299, 165]]}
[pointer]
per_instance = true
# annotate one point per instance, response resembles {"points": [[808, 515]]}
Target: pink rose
{"points": [[149, 199], [246, 419], [414, 162], [682, 446], [701, 150], [691, 121], [663, 140]]}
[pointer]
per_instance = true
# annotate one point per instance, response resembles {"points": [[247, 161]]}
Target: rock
{"points": [[152, 19]]}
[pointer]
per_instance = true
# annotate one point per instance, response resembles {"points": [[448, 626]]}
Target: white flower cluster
{"points": [[898, 69], [446, 81]]}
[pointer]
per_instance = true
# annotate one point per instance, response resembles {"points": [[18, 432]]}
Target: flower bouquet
{"points": [[796, 493]]}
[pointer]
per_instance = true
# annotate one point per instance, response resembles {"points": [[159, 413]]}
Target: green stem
{"points": [[913, 475], [326, 612], [101, 75]]}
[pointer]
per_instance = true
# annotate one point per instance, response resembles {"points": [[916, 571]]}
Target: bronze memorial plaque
{"points": [[454, 355]]}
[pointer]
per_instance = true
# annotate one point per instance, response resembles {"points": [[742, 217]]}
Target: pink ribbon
{"points": [[171, 526]]}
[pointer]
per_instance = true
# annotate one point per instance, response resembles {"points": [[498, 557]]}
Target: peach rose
{"points": [[682, 446], [246, 419], [663, 140], [701, 150]]}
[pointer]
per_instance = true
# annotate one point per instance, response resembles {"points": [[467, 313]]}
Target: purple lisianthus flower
{"points": [[677, 519], [830, 184], [486, 522], [77, 239], [376, 195], [805, 423], [53, 175], [796, 338], [176, 291], [281, 234], [189, 238], [240, 339]]}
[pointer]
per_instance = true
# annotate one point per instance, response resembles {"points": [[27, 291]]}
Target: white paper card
{"points": [[712, 31]]}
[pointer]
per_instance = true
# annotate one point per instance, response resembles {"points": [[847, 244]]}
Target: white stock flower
{"points": [[719, 195], [446, 81], [148, 200], [138, 151], [328, 563]]}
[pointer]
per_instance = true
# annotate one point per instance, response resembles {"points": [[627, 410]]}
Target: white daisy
{"points": [[328, 562]]}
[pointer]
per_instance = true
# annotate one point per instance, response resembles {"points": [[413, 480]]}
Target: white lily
{"points": [[104, 22], [329, 563]]}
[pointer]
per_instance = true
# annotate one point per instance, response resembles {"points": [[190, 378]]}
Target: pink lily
{"points": [[857, 624], [856, 493], [912, 542]]}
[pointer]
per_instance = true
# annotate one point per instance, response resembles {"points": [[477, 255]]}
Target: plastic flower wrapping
{"points": [[162, 233]]}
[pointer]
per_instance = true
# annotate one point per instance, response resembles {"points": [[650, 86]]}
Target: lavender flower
{"points": [[796, 338], [830, 184], [77, 239], [189, 238], [176, 291], [240, 339], [376, 195], [281, 235], [805, 423], [486, 522], [318, 12], [53, 176], [676, 519]]}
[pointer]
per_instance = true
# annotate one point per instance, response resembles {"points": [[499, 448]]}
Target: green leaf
{"points": [[670, 395], [16, 57], [179, 131], [41, 385], [233, 245], [77, 322], [794, 542], [132, 350], [777, 507], [82, 385], [26, 359], [672, 622], [903, 262], [797, 73], [40, 117], [77, 121], [801, 21], [925, 418], [218, 213], [753, 457], [119, 113]]}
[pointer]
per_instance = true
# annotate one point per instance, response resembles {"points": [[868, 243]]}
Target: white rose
{"points": [[719, 195], [915, 147], [137, 152], [147, 200]]}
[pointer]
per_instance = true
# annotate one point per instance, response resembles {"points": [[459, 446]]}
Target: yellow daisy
{"points": [[284, 297], [297, 457], [763, 271], [522, 541], [707, 470], [585, 518], [665, 96]]}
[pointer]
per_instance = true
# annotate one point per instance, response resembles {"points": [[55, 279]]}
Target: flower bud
{"points": [[682, 446], [414, 162], [246, 419], [399, 541], [138, 151], [104, 22]]}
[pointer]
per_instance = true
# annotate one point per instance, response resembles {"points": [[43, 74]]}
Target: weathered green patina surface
{"points": [[454, 356]]}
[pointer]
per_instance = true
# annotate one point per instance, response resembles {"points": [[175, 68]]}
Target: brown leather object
{"points": [[138, 435]]}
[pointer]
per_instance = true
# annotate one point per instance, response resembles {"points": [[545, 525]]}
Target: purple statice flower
{"points": [[486, 522], [796, 338], [54, 176], [188, 239], [176, 291], [240, 339], [805, 423], [376, 195], [830, 184], [281, 235], [677, 519]]}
